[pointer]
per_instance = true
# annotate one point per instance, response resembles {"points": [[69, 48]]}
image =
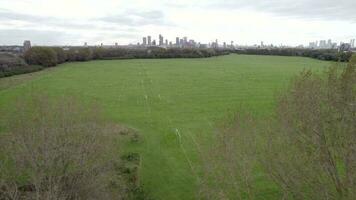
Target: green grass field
{"points": [[174, 103]]}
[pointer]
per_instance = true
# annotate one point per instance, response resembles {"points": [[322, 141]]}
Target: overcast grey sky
{"points": [[61, 22]]}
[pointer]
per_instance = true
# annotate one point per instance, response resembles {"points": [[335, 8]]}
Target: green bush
{"points": [[61, 55], [98, 53], [79, 54], [84, 54], [44, 56]]}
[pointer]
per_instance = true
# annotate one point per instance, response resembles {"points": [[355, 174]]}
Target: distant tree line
{"points": [[51, 56], [321, 54]]}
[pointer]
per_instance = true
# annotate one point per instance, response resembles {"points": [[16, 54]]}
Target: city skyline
{"points": [[186, 42], [189, 42]]}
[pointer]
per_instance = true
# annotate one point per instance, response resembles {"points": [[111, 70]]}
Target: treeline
{"points": [[11, 64], [321, 54], [51, 56]]}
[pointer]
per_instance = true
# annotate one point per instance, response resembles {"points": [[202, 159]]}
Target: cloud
{"points": [[136, 18], [37, 20], [126, 21], [307, 9], [17, 36], [16, 27]]}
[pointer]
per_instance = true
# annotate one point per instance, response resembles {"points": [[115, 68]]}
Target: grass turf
{"points": [[174, 103]]}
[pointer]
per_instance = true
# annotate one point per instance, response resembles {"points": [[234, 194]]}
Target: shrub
{"points": [[44, 56], [61, 56], [84, 54], [79, 54], [59, 151], [98, 53]]}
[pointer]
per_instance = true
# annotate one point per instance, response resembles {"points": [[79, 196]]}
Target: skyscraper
{"points": [[160, 40], [166, 43], [322, 44], [144, 41], [185, 41], [330, 43], [149, 40], [177, 41], [352, 43], [191, 43]]}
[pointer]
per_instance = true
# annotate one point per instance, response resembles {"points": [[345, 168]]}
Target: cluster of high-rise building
{"points": [[182, 42], [185, 42], [323, 44]]}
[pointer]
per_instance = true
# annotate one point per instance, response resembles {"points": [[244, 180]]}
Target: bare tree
{"points": [[311, 152], [59, 150]]}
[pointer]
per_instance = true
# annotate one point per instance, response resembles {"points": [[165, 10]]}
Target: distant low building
{"points": [[12, 49]]}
